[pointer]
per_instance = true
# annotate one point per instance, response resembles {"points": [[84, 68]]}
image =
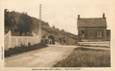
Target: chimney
{"points": [[104, 15], [78, 16]]}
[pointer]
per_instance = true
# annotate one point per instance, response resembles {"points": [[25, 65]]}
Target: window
{"points": [[82, 34], [99, 34]]}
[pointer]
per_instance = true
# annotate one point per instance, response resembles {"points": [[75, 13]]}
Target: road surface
{"points": [[45, 57]]}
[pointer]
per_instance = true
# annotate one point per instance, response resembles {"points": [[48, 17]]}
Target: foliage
{"points": [[17, 22], [21, 24]]}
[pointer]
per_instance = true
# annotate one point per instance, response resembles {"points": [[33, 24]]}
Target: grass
{"points": [[83, 57]]}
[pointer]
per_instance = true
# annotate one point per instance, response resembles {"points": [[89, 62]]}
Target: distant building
{"points": [[93, 29]]}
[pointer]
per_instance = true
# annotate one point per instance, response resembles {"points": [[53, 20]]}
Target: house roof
{"points": [[91, 22]]}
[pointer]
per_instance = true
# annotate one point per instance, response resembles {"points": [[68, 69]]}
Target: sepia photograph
{"points": [[57, 33]]}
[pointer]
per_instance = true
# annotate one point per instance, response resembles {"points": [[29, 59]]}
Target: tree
{"points": [[25, 24], [9, 20]]}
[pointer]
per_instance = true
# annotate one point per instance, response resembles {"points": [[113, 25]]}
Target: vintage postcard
{"points": [[57, 35]]}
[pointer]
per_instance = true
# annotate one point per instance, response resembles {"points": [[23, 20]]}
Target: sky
{"points": [[63, 13]]}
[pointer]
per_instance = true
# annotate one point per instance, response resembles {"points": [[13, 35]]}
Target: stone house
{"points": [[93, 29]]}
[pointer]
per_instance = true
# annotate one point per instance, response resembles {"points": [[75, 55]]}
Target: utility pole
{"points": [[40, 22]]}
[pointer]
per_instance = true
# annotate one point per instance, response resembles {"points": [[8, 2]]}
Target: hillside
{"points": [[21, 24]]}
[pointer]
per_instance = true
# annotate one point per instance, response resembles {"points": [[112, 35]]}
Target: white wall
{"points": [[13, 41], [103, 43]]}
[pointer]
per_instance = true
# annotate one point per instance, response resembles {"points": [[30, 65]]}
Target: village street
{"points": [[45, 57]]}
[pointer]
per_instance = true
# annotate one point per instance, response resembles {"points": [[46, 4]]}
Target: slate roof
{"points": [[92, 22]]}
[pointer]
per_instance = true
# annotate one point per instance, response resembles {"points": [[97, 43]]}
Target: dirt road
{"points": [[45, 57]]}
